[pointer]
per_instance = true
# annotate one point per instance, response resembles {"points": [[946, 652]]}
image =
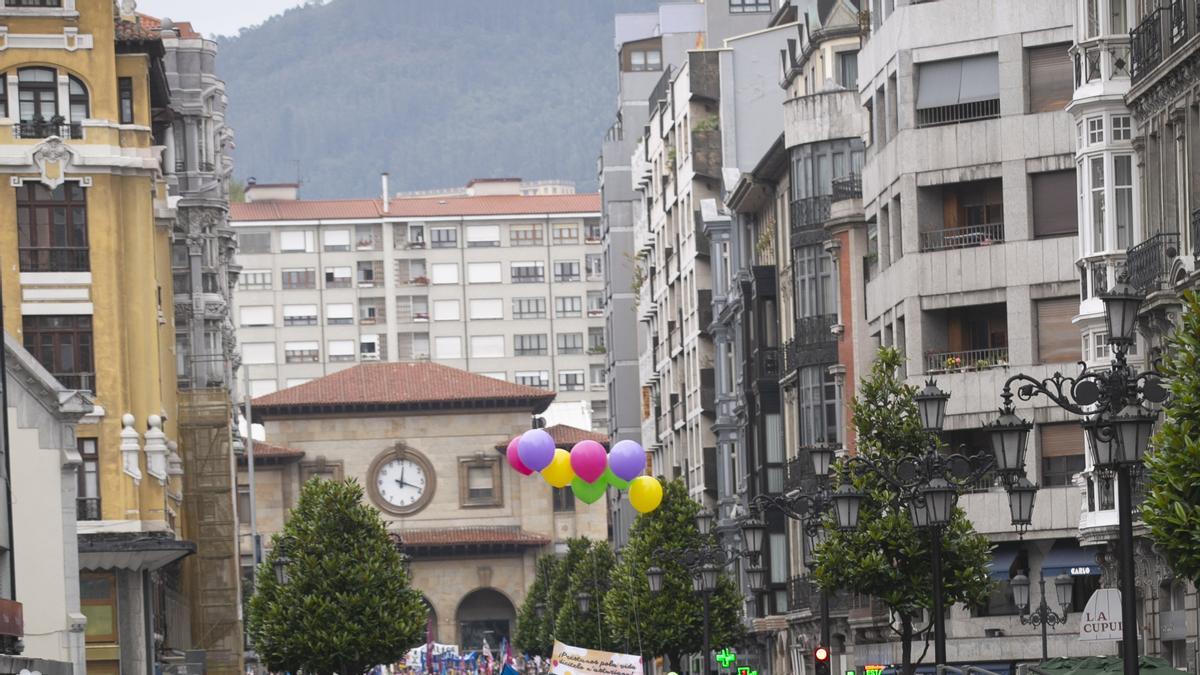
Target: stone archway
{"points": [[432, 619], [485, 613]]}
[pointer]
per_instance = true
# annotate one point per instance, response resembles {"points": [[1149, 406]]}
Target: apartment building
{"points": [[494, 282]]}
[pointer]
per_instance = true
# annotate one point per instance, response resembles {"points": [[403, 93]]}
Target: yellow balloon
{"points": [[559, 473], [645, 493]]}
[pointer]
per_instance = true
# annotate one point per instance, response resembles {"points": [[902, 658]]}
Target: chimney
{"points": [[387, 200]]}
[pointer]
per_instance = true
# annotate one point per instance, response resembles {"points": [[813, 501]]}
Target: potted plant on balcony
{"points": [[953, 363], [421, 281], [983, 364]]}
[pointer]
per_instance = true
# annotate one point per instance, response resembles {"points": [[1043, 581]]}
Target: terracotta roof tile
{"points": [[264, 450], [414, 207], [463, 536], [399, 386], [182, 28], [134, 31], [566, 437]]}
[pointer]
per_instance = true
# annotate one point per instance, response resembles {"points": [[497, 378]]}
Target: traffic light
{"points": [[821, 660]]}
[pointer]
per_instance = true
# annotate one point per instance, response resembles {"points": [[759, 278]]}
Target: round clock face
{"points": [[401, 482]]}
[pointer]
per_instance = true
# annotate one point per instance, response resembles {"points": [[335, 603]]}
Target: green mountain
{"points": [[436, 92]]}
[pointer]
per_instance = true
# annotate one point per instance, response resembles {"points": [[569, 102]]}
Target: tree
{"points": [[535, 635], [887, 557], [591, 576], [1172, 506], [347, 605], [671, 621]]}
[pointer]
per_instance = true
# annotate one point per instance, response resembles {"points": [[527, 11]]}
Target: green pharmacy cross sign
{"points": [[726, 657]]}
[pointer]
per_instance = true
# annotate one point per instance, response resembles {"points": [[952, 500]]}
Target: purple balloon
{"points": [[627, 460], [536, 449], [588, 460]]}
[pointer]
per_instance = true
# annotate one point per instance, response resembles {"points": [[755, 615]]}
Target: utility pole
{"points": [[255, 541]]}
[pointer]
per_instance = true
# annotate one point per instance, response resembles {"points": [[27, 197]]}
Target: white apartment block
{"points": [[495, 282]]}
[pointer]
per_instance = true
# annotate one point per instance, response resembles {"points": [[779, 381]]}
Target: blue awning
{"points": [[1002, 561], [1067, 556]]}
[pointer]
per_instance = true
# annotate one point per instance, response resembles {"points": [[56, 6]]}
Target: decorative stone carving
{"points": [[156, 450], [52, 157], [174, 461], [130, 447]]}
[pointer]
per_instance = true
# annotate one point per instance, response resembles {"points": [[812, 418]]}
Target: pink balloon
{"points": [[514, 460], [588, 460]]}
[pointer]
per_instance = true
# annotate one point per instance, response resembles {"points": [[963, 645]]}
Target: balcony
{"points": [[1146, 45], [847, 187], [708, 392], [40, 128], [1195, 232], [766, 363], [87, 508], [816, 331], [706, 152], [78, 381], [968, 360], [54, 259], [1149, 263], [791, 356], [958, 113], [867, 610], [973, 337], [962, 237], [810, 212]]}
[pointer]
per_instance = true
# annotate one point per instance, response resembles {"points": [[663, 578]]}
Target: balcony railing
{"points": [[810, 212], [847, 187], [791, 356], [766, 363], [1178, 26], [804, 594], [87, 508], [1149, 263], [812, 331], [39, 128], [1146, 45], [54, 259], [80, 381], [1196, 226], [971, 359], [958, 113], [962, 237]]}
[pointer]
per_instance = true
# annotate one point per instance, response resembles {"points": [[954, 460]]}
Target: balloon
{"points": [[536, 449], [627, 460], [611, 478], [645, 493], [588, 493], [559, 473], [514, 460], [589, 460]]}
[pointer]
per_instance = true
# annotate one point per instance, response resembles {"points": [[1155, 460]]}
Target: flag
{"points": [[506, 650], [509, 670]]}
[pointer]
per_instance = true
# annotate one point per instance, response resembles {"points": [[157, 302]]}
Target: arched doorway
{"points": [[431, 616], [484, 614]]}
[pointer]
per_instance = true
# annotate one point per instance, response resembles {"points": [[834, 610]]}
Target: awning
{"points": [[1000, 567], [131, 550], [1067, 556]]}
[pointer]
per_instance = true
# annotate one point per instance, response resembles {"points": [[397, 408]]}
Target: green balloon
{"points": [[613, 480], [588, 493]]}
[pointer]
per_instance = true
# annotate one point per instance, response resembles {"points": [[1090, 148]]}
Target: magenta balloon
{"points": [[588, 460], [536, 449], [627, 460], [514, 460]]}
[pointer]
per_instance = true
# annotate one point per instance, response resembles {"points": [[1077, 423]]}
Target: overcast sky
{"points": [[216, 17]]}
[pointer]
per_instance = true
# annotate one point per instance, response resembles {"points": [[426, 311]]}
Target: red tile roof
{"points": [[415, 207], [469, 536], [182, 28], [378, 387], [566, 437], [265, 451], [134, 31]]}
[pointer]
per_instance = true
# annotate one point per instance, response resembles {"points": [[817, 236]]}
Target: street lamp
{"points": [[1042, 615], [1113, 404], [283, 560], [584, 599]]}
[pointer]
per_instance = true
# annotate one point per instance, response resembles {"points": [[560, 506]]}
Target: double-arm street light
{"points": [[1115, 404], [705, 561], [1042, 615]]}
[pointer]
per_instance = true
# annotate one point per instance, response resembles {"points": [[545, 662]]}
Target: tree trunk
{"points": [[906, 632], [674, 661]]}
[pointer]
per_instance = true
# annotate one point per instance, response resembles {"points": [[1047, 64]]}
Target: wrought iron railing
{"points": [[800, 595], [46, 129], [847, 187], [79, 381], [958, 113], [971, 359], [1178, 25], [1195, 231], [54, 259], [87, 508], [791, 356], [810, 212], [766, 363], [815, 330], [1149, 263], [962, 237], [1146, 45]]}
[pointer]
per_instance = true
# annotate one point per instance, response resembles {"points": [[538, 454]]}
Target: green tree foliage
{"points": [[888, 557], [592, 577], [347, 605], [669, 622], [534, 634], [1172, 506]]}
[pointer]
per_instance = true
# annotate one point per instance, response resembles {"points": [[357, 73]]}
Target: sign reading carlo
{"points": [[1101, 618]]}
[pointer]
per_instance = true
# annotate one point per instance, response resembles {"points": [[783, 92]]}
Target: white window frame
{"points": [[256, 315], [484, 309], [447, 310], [443, 273], [447, 347], [487, 346], [485, 273]]}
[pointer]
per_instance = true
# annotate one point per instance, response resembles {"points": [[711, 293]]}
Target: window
{"points": [[817, 391], [447, 347], [38, 94], [533, 378], [814, 282], [1123, 199], [340, 314], [958, 90], [1057, 336], [487, 346], [254, 242], [483, 273], [529, 308], [596, 340], [301, 352], [483, 236], [341, 350], [446, 310], [1051, 82], [568, 306], [411, 272], [645, 59], [847, 65], [371, 311], [296, 242], [594, 267], [1054, 205], [370, 273], [255, 280], [591, 231], [528, 272], [1092, 20], [299, 315], [88, 496], [566, 234], [597, 376], [1121, 128], [497, 375], [368, 238], [336, 240], [1118, 22], [337, 277], [563, 500], [566, 270], [443, 237], [595, 303], [63, 345], [52, 228], [570, 380], [257, 315], [749, 6], [1095, 126], [529, 345], [444, 273], [570, 343], [98, 602], [491, 308], [526, 235], [1097, 188], [1062, 452], [124, 99], [368, 348], [258, 353], [479, 481], [412, 346]]}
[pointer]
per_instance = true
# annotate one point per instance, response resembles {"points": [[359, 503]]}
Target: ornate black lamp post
{"points": [[283, 560], [705, 561], [1042, 615], [1114, 404]]}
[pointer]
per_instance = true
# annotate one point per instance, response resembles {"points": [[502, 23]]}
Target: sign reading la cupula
{"points": [[1101, 618]]}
